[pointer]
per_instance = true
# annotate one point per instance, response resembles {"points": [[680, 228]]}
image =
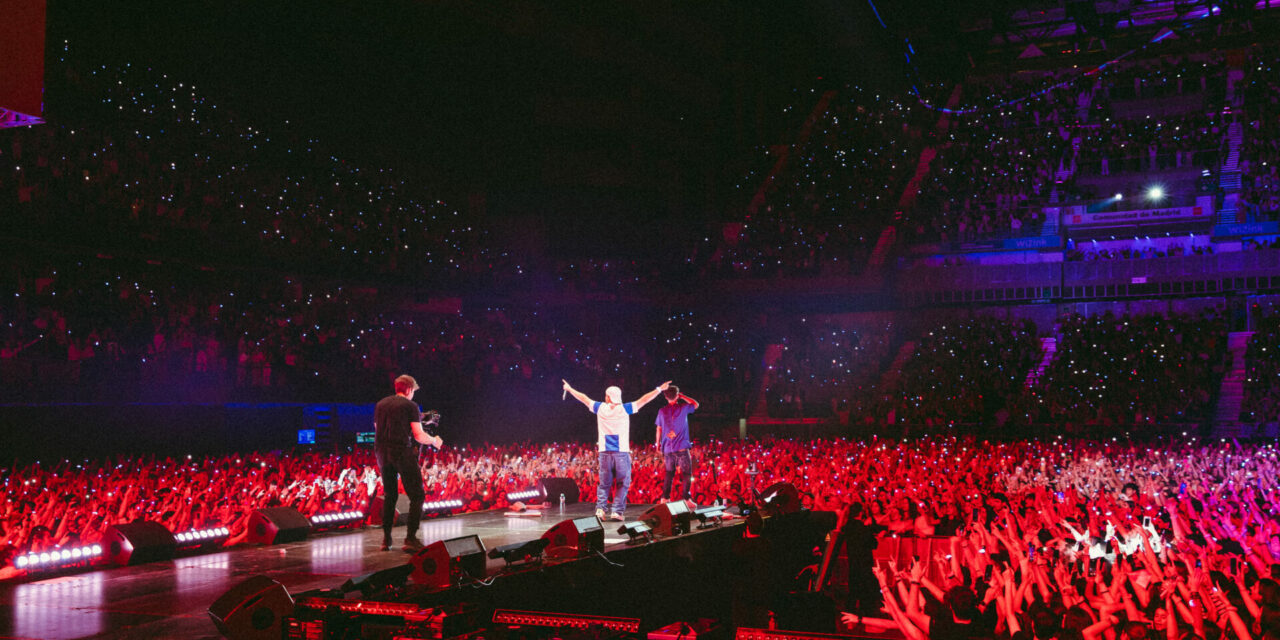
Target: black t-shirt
{"points": [[392, 417], [860, 540]]}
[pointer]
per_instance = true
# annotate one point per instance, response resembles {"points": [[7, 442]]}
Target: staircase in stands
{"points": [[802, 138], [895, 368], [1048, 351], [1226, 423], [889, 235], [1229, 178]]}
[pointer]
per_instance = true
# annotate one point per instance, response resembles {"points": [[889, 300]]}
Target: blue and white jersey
{"points": [[614, 424]]}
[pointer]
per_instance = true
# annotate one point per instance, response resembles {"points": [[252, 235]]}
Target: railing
{"points": [[981, 277], [1208, 274], [1235, 264]]}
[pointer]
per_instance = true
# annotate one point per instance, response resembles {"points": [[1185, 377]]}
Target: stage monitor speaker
{"points": [[553, 487], [252, 610], [575, 538], [669, 519], [375, 510], [274, 525], [778, 498], [444, 563], [138, 542]]}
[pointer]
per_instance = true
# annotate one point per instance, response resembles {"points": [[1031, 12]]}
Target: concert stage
{"points": [[680, 578]]}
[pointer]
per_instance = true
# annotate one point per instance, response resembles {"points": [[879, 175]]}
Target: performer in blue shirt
{"points": [[673, 439]]}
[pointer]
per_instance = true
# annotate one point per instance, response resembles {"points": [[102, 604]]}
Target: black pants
{"points": [[684, 462], [395, 464]]}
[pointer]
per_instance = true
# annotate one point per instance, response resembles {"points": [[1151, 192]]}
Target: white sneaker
{"points": [[600, 513]]}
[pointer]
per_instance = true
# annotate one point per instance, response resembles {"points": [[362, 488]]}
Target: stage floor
{"points": [[170, 599]]}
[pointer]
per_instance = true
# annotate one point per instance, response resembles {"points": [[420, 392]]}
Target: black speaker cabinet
{"points": [[252, 610], [274, 525], [375, 510], [138, 542], [778, 498], [446, 562], [670, 519], [553, 487], [575, 538]]}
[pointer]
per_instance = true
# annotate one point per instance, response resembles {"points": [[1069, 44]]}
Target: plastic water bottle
{"points": [[562, 503]]}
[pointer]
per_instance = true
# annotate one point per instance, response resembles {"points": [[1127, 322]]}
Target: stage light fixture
{"points": [[58, 558], [528, 551], [441, 506], [1155, 193], [637, 532], [197, 538], [524, 496], [1119, 196], [709, 516], [339, 520]]}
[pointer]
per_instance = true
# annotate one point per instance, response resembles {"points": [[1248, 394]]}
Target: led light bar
{"points": [[397, 609], [745, 633], [57, 558], [202, 537], [441, 506], [558, 620], [527, 494], [337, 520]]}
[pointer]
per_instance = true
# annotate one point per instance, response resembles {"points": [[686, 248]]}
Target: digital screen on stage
{"points": [[306, 436], [364, 437]]}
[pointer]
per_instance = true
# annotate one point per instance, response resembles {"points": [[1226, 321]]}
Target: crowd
{"points": [[1129, 371], [232, 338], [1087, 540], [1260, 155], [994, 168], [116, 329], [1166, 77], [1082, 536], [139, 161], [1114, 146], [1022, 142], [1262, 373], [819, 361], [134, 160], [822, 214], [1136, 251], [961, 372]]}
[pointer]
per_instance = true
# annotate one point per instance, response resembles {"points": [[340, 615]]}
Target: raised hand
{"points": [[917, 570]]}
